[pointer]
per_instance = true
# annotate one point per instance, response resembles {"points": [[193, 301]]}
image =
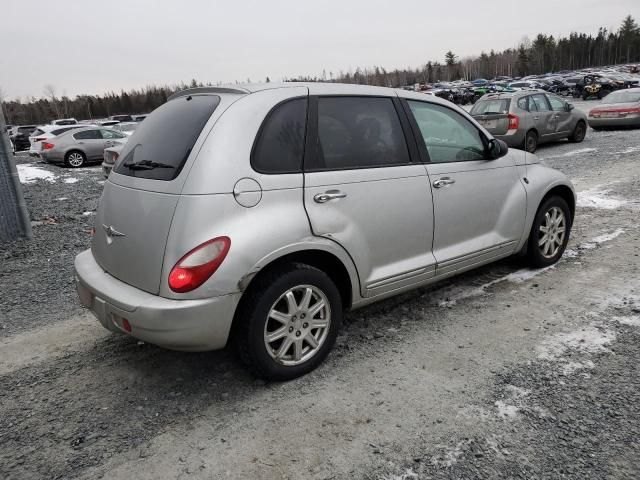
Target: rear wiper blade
{"points": [[146, 165]]}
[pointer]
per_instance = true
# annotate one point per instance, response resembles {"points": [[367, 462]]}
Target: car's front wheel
{"points": [[288, 322], [549, 233]]}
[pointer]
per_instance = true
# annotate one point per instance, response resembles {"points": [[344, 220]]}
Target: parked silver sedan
{"points": [[258, 215], [78, 147], [527, 118], [618, 109]]}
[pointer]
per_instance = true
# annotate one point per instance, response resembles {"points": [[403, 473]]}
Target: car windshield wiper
{"points": [[146, 165]]}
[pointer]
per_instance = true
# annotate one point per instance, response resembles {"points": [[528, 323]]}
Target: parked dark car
{"points": [[19, 137]]}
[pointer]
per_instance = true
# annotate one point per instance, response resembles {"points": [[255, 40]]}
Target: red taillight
{"points": [[126, 325], [47, 146], [514, 122], [198, 265]]}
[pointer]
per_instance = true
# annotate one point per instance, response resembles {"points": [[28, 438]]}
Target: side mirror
{"points": [[570, 107], [497, 148]]}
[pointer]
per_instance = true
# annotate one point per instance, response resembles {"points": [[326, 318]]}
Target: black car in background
{"points": [[19, 136]]}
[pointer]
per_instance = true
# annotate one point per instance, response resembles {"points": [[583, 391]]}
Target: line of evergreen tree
{"points": [[544, 54]]}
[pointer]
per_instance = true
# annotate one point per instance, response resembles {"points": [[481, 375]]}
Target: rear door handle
{"points": [[536, 118], [328, 195], [443, 182]]}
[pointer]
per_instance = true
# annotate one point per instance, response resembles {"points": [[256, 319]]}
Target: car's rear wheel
{"points": [[578, 133], [288, 322], [531, 141], [549, 233], [75, 159]]}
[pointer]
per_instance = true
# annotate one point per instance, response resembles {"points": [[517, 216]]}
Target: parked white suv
{"points": [[261, 214]]}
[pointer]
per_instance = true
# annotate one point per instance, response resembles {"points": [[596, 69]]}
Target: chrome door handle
{"points": [[328, 195], [536, 118], [443, 182]]}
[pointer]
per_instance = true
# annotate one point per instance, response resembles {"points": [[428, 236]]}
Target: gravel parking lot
{"points": [[503, 372]]}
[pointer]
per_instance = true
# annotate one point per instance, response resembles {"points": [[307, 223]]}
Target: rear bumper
{"points": [[514, 138], [52, 157], [190, 325], [629, 121]]}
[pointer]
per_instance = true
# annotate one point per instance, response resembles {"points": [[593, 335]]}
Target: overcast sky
{"points": [[93, 46]]}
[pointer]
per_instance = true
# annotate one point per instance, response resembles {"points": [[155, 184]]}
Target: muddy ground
{"points": [[500, 373]]}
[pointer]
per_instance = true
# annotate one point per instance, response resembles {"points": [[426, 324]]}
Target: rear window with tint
{"points": [[491, 107], [160, 146]]}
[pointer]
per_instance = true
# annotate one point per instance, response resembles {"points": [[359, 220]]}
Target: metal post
{"points": [[14, 217]]}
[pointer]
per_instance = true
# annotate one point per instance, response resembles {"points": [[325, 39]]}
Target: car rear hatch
{"points": [[136, 209], [493, 114]]}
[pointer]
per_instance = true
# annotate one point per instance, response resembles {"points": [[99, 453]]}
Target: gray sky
{"points": [[93, 46]]}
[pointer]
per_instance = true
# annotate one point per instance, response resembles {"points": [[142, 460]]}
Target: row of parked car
{"points": [[71, 142], [585, 84]]}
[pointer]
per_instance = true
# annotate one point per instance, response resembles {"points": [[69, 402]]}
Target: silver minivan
{"points": [[258, 215]]}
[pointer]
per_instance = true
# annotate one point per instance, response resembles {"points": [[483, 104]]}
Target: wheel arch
{"points": [[564, 192]]}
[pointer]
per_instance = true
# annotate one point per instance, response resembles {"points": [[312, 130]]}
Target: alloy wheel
{"points": [[297, 325], [552, 232], [75, 159]]}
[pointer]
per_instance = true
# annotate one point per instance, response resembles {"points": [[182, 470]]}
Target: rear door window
{"points": [[358, 132], [160, 146], [523, 103], [280, 144], [540, 102]]}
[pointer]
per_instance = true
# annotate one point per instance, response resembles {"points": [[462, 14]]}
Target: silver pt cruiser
{"points": [[258, 215]]}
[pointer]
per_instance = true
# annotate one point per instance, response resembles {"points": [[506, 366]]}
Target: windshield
{"points": [[622, 96], [489, 107], [160, 145]]}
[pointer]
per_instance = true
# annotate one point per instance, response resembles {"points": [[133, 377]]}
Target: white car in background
{"points": [[46, 132], [126, 128]]}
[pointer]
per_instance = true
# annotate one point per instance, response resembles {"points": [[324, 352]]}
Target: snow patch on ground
{"points": [[587, 340], [513, 403], [507, 411], [572, 367], [595, 198], [607, 236], [628, 150], [71, 180], [633, 320], [451, 455], [30, 174], [407, 475], [86, 214], [62, 199], [579, 151], [452, 295]]}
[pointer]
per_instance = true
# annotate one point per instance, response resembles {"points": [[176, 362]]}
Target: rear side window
{"points": [[491, 107], [280, 144], [523, 103], [358, 132], [161, 145], [88, 135]]}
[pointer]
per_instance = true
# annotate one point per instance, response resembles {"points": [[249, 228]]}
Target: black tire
{"points": [[578, 133], [75, 159], [531, 141], [535, 256], [252, 316], [585, 96]]}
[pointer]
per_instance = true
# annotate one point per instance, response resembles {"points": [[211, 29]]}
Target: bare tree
{"points": [[50, 92]]}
